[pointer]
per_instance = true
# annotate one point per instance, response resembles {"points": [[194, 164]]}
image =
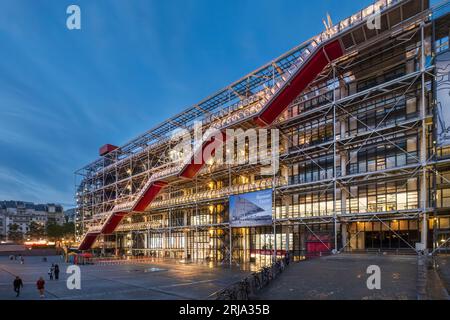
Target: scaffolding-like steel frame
{"points": [[151, 149]]}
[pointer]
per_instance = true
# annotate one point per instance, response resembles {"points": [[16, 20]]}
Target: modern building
{"points": [[361, 163], [22, 213]]}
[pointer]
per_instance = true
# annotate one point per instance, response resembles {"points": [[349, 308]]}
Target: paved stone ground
{"points": [[118, 282], [343, 277], [444, 270]]}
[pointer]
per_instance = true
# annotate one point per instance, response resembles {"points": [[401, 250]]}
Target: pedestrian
{"points": [[50, 271], [56, 272], [40, 284], [287, 258], [22, 260], [17, 285]]}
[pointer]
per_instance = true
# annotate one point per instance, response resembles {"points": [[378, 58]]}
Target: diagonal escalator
{"points": [[272, 102]]}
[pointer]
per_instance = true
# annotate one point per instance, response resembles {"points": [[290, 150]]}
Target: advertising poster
{"points": [[443, 99], [251, 209]]}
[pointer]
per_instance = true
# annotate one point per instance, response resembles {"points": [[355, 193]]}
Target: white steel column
{"points": [[334, 159], [229, 221], [185, 234], [274, 204], [231, 246], [423, 147]]}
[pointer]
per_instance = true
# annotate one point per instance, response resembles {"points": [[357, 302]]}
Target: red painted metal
{"points": [[149, 195], [270, 113], [107, 148], [299, 83], [88, 241], [191, 170], [312, 247], [113, 222]]}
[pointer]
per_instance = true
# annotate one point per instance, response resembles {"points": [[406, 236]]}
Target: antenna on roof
{"points": [[328, 23]]}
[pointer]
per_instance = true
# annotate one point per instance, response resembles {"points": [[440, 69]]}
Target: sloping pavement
{"points": [[344, 277]]}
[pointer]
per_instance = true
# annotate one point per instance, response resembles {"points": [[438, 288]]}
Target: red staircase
{"points": [[273, 104]]}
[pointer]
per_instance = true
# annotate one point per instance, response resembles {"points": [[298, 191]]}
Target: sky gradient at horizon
{"points": [[134, 64]]}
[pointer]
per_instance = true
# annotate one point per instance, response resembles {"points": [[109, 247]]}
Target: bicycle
{"points": [[244, 289], [266, 276], [256, 280], [227, 294]]}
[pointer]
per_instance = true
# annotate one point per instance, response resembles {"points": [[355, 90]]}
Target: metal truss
{"points": [[130, 167]]}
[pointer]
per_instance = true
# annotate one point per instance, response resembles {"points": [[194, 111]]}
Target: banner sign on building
{"points": [[443, 99], [251, 209]]}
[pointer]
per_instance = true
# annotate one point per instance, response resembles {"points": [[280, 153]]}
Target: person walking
{"points": [[50, 272], [40, 284], [17, 283], [287, 258], [56, 272]]}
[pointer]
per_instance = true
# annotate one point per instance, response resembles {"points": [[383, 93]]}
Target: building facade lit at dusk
{"points": [[364, 163]]}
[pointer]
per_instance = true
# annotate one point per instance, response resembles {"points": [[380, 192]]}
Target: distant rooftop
{"points": [[30, 205]]}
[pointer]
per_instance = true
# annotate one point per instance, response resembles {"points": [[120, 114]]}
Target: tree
{"points": [[36, 231], [54, 231], [57, 232], [14, 233], [69, 230]]}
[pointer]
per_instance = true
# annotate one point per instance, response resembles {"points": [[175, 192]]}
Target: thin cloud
{"points": [[18, 186]]}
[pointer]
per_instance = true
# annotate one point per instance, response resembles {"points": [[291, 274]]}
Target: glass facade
{"points": [[359, 168]]}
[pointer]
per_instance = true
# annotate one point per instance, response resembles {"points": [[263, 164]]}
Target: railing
{"points": [[249, 286], [213, 194], [206, 195], [249, 108], [121, 261], [140, 226], [269, 93], [331, 32], [252, 105]]}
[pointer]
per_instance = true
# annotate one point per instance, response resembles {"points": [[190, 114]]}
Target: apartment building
{"points": [[22, 213]]}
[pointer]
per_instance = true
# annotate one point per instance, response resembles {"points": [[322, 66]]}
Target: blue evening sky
{"points": [[65, 93]]}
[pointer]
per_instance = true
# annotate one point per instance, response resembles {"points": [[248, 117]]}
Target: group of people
{"points": [[53, 273], [18, 284], [14, 257]]}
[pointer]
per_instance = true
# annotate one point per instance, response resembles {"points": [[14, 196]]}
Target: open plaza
{"points": [[323, 174], [324, 278], [149, 281]]}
